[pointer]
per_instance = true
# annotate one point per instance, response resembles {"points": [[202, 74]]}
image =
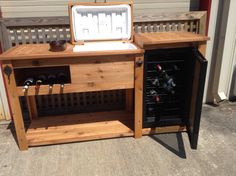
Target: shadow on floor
{"points": [[171, 141]]}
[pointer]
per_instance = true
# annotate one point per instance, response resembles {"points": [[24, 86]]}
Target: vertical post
{"points": [[138, 87], [32, 107], [16, 108]]}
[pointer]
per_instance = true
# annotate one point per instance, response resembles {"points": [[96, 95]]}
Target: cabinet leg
{"points": [[138, 86], [16, 108]]}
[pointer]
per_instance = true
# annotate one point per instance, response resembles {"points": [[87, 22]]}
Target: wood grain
{"points": [[113, 72], [16, 109], [138, 104], [80, 127], [41, 51], [146, 40]]}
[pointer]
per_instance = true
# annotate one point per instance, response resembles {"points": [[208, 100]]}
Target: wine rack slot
{"points": [[42, 76]]}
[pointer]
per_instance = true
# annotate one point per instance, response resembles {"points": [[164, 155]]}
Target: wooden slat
{"points": [[32, 107], [71, 128]]}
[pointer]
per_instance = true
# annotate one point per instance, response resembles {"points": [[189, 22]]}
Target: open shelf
{"points": [[79, 127]]}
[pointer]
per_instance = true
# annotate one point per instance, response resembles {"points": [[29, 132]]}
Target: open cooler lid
{"points": [[103, 22]]}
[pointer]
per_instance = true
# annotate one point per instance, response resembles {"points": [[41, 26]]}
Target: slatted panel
{"points": [[190, 26], [26, 35], [77, 102], [45, 34]]}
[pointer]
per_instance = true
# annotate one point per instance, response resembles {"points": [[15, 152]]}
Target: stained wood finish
{"points": [[105, 73], [41, 51], [138, 104], [153, 40], [16, 109], [83, 87], [82, 127]]}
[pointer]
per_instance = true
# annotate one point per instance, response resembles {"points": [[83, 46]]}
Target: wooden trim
{"points": [[4, 37], [138, 103], [202, 24]]}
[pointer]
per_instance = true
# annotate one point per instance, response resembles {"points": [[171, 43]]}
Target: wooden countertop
{"points": [[149, 40], [41, 51]]}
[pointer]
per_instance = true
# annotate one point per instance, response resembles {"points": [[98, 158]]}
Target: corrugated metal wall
{"points": [[34, 8]]}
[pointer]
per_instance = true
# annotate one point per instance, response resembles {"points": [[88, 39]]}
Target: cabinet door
{"points": [[199, 75]]}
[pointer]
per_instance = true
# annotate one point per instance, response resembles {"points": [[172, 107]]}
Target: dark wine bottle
{"points": [[28, 82], [41, 80], [151, 111], [51, 79], [61, 77], [156, 82], [168, 88], [155, 95], [159, 68]]}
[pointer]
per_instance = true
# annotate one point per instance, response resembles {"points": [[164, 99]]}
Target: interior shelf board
{"points": [[79, 127]]}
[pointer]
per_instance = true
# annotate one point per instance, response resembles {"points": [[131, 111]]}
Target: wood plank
{"points": [[16, 109], [111, 72], [138, 107], [36, 51], [166, 129], [146, 39], [80, 127]]}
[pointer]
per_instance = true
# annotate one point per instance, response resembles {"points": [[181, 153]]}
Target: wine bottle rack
{"points": [[23, 74], [169, 109]]}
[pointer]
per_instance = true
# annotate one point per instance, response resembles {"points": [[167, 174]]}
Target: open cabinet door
{"points": [[199, 75]]}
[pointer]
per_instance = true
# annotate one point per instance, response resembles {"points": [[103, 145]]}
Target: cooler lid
{"points": [[103, 22]]}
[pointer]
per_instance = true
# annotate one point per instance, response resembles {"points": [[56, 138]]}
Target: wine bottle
{"points": [[159, 68], [155, 95], [156, 82], [168, 88], [41, 80], [151, 111], [28, 82], [61, 77], [51, 80]]}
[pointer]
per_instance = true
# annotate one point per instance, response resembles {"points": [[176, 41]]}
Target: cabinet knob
{"points": [[139, 63]]}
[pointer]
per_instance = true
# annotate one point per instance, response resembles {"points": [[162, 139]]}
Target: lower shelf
{"points": [[79, 127]]}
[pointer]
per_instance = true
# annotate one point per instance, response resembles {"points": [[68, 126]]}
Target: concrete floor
{"points": [[165, 155]]}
